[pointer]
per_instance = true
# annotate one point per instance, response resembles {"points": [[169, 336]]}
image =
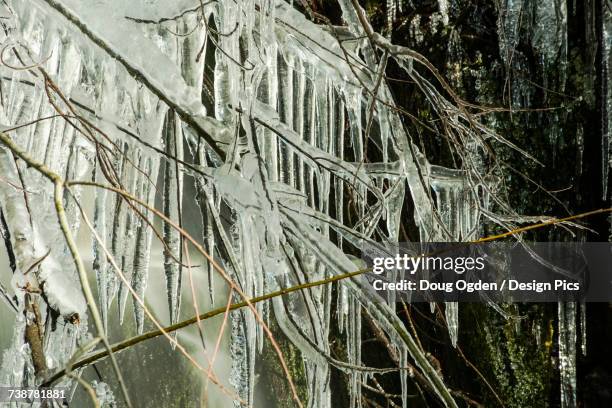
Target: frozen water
{"points": [[282, 179]]}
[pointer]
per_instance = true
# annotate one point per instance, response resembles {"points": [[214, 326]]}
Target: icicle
{"points": [[172, 197], [583, 328], [508, 27], [286, 110], [127, 251], [300, 120], [606, 108], [451, 313], [339, 186], [116, 218], [322, 141], [270, 140], [567, 352], [99, 262], [208, 223], [142, 254], [393, 207], [210, 247]]}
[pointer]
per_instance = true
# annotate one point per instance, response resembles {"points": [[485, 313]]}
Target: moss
{"points": [[514, 357], [271, 387]]}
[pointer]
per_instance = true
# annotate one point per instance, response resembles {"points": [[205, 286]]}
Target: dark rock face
{"points": [[545, 63]]}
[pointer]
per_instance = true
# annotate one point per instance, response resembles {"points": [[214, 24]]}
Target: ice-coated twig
{"points": [[65, 227]]}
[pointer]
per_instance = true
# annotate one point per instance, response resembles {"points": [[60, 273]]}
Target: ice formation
{"points": [[544, 25], [606, 75], [567, 352], [276, 122]]}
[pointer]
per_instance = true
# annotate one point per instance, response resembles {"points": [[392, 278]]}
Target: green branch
{"points": [[215, 312]]}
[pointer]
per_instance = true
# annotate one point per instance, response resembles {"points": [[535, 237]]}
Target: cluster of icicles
{"points": [[544, 25], [282, 156]]}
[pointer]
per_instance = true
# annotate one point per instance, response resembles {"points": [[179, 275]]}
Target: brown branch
{"points": [[34, 335]]}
